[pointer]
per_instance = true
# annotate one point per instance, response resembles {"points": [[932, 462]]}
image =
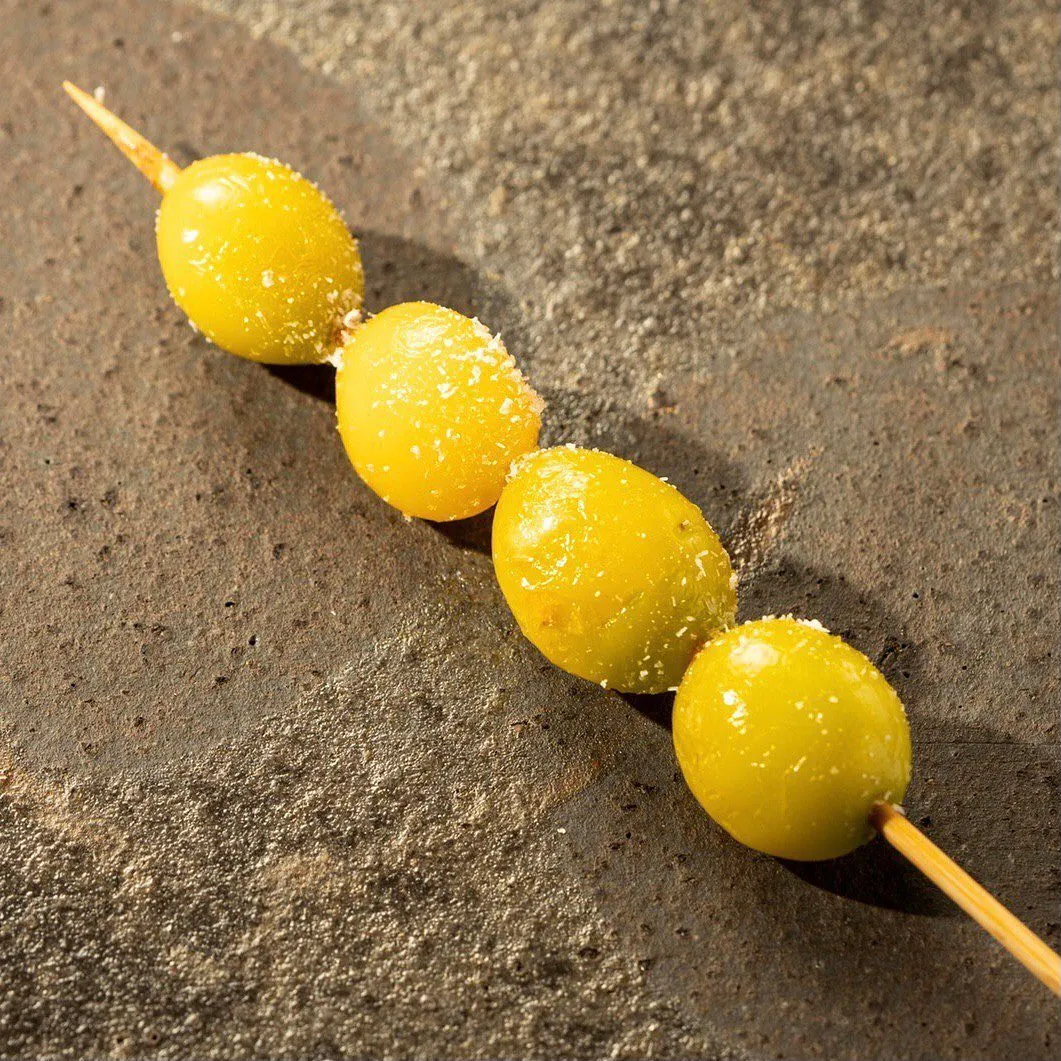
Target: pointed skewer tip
{"points": [[154, 164]]}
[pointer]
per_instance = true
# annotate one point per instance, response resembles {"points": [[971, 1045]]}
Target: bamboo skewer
{"points": [[155, 165], [887, 819], [978, 903]]}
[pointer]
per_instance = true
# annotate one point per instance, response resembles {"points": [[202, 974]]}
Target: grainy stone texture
{"points": [[279, 777]]}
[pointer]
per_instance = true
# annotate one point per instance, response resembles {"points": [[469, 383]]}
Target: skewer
{"points": [[979, 904], [155, 165], [887, 819]]}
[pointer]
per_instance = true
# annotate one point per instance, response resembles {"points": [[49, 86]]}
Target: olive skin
{"points": [[787, 736], [433, 410], [609, 570], [259, 259]]}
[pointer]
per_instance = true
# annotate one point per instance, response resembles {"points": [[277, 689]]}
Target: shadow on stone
{"points": [[653, 439], [876, 875], [788, 587], [318, 381], [953, 757], [470, 535], [401, 270], [656, 707]]}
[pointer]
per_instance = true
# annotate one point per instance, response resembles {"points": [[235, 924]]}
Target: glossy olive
{"points": [[433, 410], [258, 258], [609, 571], [787, 736]]}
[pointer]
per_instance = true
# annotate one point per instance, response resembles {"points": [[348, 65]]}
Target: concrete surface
{"points": [[279, 777]]}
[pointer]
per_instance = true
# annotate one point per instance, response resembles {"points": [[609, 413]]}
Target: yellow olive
{"points": [[433, 410], [609, 571], [787, 736], [258, 258]]}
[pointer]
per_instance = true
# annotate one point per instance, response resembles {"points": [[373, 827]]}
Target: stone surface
{"points": [[279, 777]]}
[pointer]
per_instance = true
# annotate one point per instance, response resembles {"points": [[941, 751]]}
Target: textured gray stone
{"points": [[279, 777]]}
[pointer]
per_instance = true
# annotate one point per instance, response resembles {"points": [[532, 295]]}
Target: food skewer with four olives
{"points": [[791, 739]]}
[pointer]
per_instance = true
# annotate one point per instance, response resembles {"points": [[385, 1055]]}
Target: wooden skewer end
{"points": [[975, 900], [155, 165]]}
